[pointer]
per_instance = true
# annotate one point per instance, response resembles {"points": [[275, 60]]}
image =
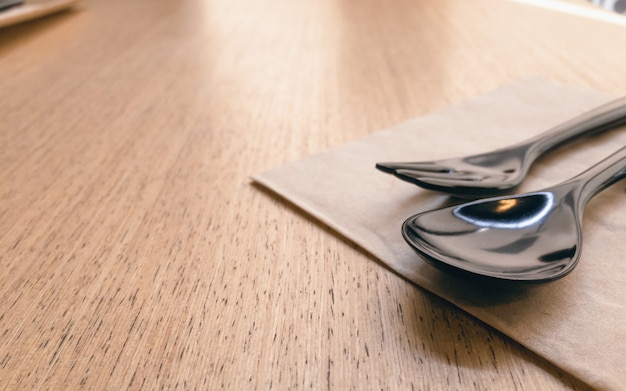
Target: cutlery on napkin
{"points": [[579, 322]]}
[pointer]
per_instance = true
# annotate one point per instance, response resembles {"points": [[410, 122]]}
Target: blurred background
{"points": [[613, 5]]}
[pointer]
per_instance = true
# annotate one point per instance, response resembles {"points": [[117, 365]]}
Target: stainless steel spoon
{"points": [[499, 172], [532, 237]]}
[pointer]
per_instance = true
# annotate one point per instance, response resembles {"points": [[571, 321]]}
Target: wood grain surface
{"points": [[135, 253]]}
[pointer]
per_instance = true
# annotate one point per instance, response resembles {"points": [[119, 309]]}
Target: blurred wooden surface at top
{"points": [[134, 252]]}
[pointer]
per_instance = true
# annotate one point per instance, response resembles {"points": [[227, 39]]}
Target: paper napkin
{"points": [[578, 322]]}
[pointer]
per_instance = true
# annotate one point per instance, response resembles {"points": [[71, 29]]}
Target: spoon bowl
{"points": [[532, 237]]}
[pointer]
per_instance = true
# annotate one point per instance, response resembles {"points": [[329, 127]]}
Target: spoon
{"points": [[532, 237]]}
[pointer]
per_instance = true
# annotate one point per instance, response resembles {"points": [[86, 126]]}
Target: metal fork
{"points": [[501, 171]]}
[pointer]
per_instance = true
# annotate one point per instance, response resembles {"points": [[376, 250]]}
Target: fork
{"points": [[501, 171]]}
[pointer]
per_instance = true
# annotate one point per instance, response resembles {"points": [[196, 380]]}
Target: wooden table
{"points": [[136, 254]]}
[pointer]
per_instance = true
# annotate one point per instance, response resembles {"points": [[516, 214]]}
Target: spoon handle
{"points": [[602, 175], [607, 116]]}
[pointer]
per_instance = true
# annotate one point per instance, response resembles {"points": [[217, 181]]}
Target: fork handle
{"points": [[600, 119]]}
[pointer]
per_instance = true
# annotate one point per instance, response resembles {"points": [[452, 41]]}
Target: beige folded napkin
{"points": [[578, 322]]}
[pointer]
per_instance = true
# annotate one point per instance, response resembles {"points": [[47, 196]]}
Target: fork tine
{"points": [[431, 167], [469, 189], [432, 182], [414, 176]]}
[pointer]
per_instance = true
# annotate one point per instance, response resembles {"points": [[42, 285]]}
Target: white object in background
{"points": [[578, 10]]}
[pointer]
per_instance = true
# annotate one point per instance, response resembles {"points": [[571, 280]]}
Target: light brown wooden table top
{"points": [[135, 253]]}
